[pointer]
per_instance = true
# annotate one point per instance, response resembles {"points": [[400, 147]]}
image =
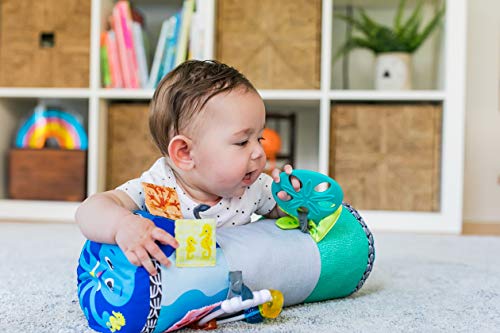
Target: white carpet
{"points": [[423, 283]]}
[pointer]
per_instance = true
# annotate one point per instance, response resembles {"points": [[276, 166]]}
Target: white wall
{"points": [[482, 142]]}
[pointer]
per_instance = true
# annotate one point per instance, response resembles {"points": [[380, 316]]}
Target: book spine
{"points": [[140, 53], [105, 72], [126, 22], [114, 62], [160, 47], [122, 49], [182, 45], [175, 39], [169, 57]]}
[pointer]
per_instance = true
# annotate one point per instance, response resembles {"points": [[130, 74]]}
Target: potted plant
{"points": [[393, 46]]}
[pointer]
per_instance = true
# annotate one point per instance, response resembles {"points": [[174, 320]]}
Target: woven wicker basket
{"points": [[44, 43], [387, 156], [130, 147], [276, 44]]}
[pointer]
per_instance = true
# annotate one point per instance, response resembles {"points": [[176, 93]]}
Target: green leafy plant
{"points": [[402, 37]]}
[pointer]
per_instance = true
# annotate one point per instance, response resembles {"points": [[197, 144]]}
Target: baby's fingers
{"points": [[288, 169], [145, 261], [295, 183], [276, 175], [155, 252], [276, 172], [164, 237], [132, 258]]}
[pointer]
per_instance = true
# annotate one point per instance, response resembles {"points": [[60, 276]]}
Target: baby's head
{"points": [[181, 96], [207, 118]]}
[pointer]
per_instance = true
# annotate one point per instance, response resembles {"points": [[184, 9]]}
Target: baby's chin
{"points": [[239, 191]]}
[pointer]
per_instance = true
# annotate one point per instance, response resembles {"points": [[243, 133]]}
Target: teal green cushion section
{"points": [[344, 255]]}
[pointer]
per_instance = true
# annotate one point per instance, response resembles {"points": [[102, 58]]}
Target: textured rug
{"points": [[424, 283]]}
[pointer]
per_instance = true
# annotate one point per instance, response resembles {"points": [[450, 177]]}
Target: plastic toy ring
{"points": [[317, 201]]}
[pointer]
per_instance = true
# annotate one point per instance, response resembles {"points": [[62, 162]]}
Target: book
{"points": [[182, 44], [140, 53], [113, 60], [157, 60], [104, 61], [121, 48], [125, 17], [170, 49], [198, 31]]}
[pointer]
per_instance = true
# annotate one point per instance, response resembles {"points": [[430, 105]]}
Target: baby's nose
{"points": [[257, 152]]}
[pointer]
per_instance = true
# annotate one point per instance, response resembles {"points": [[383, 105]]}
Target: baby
{"points": [[207, 120]]}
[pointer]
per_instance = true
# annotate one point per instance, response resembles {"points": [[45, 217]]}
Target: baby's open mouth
{"points": [[248, 176]]}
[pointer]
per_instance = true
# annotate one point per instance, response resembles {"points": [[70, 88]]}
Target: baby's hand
{"points": [[137, 238], [293, 180]]}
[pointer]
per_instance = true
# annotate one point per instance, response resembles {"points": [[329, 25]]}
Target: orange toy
{"points": [[271, 145]]}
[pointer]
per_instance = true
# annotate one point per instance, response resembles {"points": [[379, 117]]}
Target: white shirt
{"points": [[257, 198]]}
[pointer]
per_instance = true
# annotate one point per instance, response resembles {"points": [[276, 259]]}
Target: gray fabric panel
{"points": [[271, 258]]}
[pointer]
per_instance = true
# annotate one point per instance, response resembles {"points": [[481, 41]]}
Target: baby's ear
{"points": [[179, 151]]}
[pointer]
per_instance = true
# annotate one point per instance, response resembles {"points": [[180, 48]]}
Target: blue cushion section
{"points": [[111, 290], [114, 294]]}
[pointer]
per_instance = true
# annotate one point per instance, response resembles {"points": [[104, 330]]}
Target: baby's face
{"points": [[227, 150]]}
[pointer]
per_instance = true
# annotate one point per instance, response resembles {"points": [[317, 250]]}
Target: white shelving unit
{"points": [[312, 106]]}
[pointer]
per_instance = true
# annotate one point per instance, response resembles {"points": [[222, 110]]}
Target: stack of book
{"points": [[124, 63]]}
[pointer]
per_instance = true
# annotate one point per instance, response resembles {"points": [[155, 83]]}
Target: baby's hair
{"points": [[184, 91]]}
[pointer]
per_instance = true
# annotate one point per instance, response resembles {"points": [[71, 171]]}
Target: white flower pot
{"points": [[393, 71]]}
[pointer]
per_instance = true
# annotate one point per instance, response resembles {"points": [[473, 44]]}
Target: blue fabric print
{"points": [[110, 298]]}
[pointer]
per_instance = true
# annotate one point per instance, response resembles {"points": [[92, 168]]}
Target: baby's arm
{"points": [[107, 218]]}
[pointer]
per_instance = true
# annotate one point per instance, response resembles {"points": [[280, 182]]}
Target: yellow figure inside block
{"points": [[206, 240], [190, 247], [196, 239]]}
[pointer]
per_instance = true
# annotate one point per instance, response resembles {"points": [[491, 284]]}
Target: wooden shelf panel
{"points": [[34, 210], [125, 93], [378, 95], [44, 93]]}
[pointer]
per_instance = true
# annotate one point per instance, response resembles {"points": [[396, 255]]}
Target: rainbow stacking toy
{"points": [[58, 125]]}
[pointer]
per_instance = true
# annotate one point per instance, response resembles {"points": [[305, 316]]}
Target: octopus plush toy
{"points": [[324, 245]]}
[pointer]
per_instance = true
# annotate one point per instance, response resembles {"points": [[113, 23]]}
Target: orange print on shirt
{"points": [[162, 201]]}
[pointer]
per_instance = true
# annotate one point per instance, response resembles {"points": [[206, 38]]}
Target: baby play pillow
{"points": [[116, 295]]}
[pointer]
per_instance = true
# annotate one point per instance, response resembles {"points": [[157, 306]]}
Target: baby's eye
{"points": [[242, 143], [260, 139]]}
